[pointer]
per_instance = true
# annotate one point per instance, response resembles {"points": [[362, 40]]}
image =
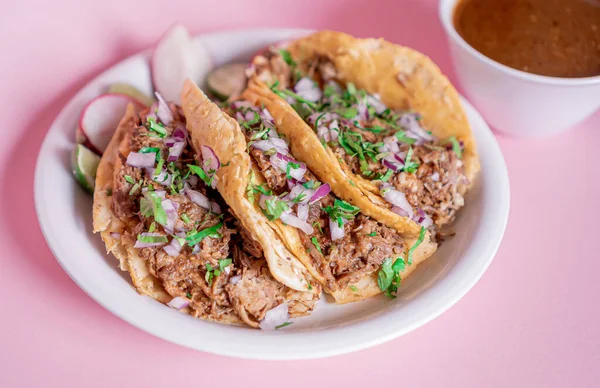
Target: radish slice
{"points": [[101, 117], [176, 58]]}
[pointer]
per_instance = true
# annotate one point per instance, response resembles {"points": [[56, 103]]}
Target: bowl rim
{"points": [[307, 343], [446, 12]]}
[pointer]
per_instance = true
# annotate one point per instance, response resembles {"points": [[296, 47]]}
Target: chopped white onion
{"points": [[139, 160], [197, 197], [275, 317], [303, 211], [173, 248], [336, 232], [296, 222], [397, 198]]}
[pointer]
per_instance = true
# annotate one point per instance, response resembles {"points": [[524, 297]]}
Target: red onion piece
{"points": [[275, 317], [263, 145], [215, 208], [435, 176], [335, 230], [175, 151], [398, 210], [391, 144], [392, 166], [115, 235], [363, 113], [210, 160], [280, 145], [307, 89], [173, 248], [139, 244], [196, 249], [410, 123], [136, 159], [198, 198], [423, 219], [303, 211], [267, 119], [180, 133], [193, 180], [281, 161], [322, 191], [235, 279], [323, 133], [241, 104], [163, 112], [291, 183], [397, 198], [178, 303], [296, 222]]}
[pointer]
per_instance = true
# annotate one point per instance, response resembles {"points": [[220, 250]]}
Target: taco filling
{"points": [[343, 244], [420, 176], [185, 233]]}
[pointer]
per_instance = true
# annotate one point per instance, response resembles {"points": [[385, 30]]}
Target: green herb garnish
{"points": [[316, 244], [455, 145], [341, 210], [206, 178], [195, 237], [353, 288], [151, 204], [289, 167], [388, 174], [388, 277], [152, 239], [410, 166], [129, 179], [372, 234], [283, 325], [157, 127], [185, 218], [287, 57], [274, 208], [317, 226], [401, 136], [416, 244]]}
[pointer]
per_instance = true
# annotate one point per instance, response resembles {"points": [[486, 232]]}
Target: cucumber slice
{"points": [[228, 81], [84, 164], [131, 92]]}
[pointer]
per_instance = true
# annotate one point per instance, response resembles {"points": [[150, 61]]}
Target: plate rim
{"points": [[484, 135]]}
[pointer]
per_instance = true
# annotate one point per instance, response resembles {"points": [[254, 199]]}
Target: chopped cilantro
{"points": [[341, 210], [388, 277], [134, 189], [299, 198], [416, 244], [223, 263], [206, 178], [274, 208], [151, 204], [188, 295], [352, 183], [252, 189], [156, 127], [353, 288], [348, 113], [129, 179], [152, 227], [289, 167], [210, 274], [372, 234], [288, 93], [318, 119], [455, 146], [185, 218], [316, 244], [410, 166], [401, 136], [195, 237], [159, 167], [152, 239], [388, 174], [287, 57], [317, 226], [283, 325], [310, 287]]}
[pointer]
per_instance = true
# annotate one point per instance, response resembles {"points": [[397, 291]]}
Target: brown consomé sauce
{"points": [[557, 38]]}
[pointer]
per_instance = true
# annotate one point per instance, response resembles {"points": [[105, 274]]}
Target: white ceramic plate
{"points": [[64, 212]]}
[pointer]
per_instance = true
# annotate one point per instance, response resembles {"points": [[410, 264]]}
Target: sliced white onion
{"points": [[163, 112], [235, 279], [296, 222], [397, 198], [275, 317], [335, 230], [139, 160], [173, 248], [178, 303], [303, 211]]}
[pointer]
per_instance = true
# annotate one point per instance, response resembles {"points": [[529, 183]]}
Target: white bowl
{"points": [[513, 101], [64, 212]]}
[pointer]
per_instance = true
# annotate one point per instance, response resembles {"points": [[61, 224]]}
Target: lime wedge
{"points": [[84, 164], [131, 92]]}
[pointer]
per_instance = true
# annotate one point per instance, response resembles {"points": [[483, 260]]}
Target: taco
{"points": [[352, 255], [181, 244], [378, 121]]}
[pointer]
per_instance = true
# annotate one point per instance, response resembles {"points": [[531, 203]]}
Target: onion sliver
{"points": [[178, 303], [336, 232], [397, 198], [136, 159], [163, 112], [322, 191], [210, 160], [277, 316], [296, 222]]}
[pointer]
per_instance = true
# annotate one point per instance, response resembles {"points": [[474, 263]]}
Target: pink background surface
{"points": [[532, 320]]}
